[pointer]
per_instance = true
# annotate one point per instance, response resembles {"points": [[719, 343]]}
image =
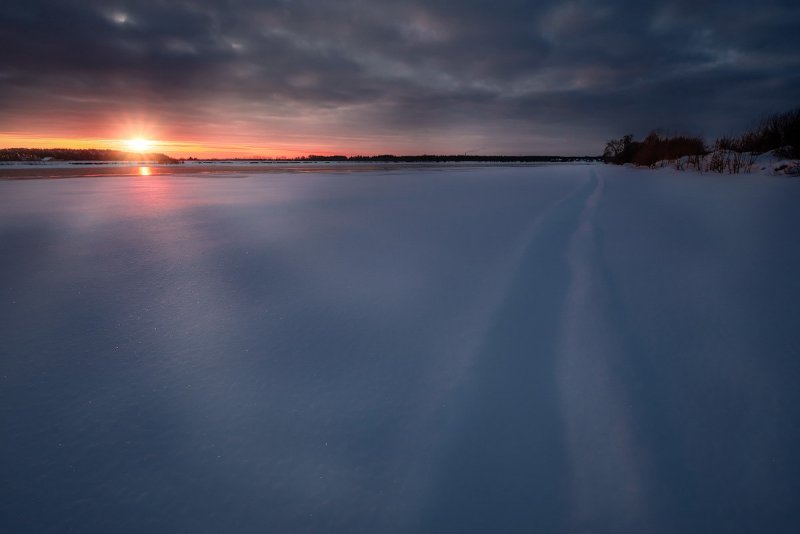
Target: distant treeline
{"points": [[78, 154], [779, 132], [431, 158], [424, 158]]}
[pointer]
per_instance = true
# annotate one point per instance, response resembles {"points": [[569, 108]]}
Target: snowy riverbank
{"points": [[732, 162]]}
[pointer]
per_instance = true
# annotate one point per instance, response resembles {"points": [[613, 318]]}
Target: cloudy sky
{"points": [[246, 77]]}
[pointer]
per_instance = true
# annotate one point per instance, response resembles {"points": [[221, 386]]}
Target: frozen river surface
{"points": [[454, 349]]}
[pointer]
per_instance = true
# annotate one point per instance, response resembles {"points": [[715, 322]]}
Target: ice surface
{"points": [[454, 349]]}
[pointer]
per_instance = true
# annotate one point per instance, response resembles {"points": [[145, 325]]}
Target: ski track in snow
{"points": [[604, 476]]}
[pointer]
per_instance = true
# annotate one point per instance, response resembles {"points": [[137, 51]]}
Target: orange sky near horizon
{"points": [[173, 136], [218, 133], [173, 148]]}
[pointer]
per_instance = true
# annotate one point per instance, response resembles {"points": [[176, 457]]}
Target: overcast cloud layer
{"points": [[412, 76]]}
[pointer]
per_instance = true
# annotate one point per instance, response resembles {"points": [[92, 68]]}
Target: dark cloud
{"points": [[512, 76]]}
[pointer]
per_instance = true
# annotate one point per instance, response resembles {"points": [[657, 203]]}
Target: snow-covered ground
{"points": [[510, 349]]}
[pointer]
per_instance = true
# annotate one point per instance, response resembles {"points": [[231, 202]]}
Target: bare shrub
{"points": [[779, 131], [696, 161], [620, 151], [657, 147]]}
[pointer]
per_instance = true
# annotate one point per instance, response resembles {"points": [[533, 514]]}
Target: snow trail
{"points": [[604, 476], [506, 452]]}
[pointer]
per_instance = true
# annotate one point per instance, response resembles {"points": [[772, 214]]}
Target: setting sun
{"points": [[138, 145]]}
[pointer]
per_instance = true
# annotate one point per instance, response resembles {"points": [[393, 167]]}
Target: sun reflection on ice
{"points": [[145, 171]]}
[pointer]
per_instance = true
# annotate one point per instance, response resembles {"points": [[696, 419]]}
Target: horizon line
{"points": [[308, 156]]}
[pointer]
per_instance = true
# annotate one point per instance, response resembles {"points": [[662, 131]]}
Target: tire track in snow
{"points": [[604, 475]]}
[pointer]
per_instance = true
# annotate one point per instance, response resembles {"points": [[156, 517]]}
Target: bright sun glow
{"points": [[139, 145]]}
